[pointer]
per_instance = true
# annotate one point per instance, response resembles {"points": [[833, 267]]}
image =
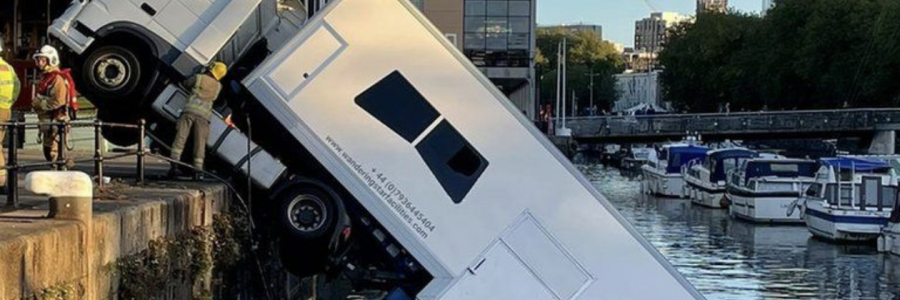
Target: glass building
{"points": [[498, 33]]}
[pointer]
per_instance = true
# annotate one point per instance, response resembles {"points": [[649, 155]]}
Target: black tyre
{"points": [[113, 75], [308, 213]]}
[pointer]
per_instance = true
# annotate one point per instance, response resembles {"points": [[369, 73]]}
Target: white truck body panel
{"points": [[516, 220]]}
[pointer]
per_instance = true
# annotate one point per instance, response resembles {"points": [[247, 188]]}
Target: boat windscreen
{"points": [[858, 164], [781, 169]]}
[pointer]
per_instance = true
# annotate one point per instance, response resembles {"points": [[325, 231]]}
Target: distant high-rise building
{"points": [[579, 27], [719, 6], [650, 33]]}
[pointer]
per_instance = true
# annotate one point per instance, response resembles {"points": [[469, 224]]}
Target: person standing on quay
{"points": [[9, 92], [54, 97]]}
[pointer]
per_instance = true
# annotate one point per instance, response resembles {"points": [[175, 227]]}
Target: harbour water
{"points": [[731, 259]]}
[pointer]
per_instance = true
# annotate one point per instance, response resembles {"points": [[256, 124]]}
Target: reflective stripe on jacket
{"points": [[9, 85], [204, 91]]}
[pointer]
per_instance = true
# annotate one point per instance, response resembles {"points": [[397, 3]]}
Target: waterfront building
{"points": [[639, 88], [719, 6], [650, 33]]}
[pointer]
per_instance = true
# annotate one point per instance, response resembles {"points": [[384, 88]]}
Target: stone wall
{"points": [[43, 255]]}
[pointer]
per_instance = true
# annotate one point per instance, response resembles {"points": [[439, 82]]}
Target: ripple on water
{"points": [[729, 259]]}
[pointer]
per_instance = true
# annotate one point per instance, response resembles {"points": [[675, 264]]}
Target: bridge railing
{"points": [[753, 122]]}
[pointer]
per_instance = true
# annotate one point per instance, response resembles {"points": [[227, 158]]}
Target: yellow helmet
{"points": [[218, 70]]}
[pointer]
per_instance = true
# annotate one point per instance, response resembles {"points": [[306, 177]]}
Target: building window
{"points": [[498, 33]]}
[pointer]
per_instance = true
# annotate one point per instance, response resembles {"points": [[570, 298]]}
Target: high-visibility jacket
{"points": [[204, 91], [9, 85]]}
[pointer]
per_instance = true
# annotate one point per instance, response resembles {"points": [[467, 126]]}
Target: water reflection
{"points": [[731, 259]]}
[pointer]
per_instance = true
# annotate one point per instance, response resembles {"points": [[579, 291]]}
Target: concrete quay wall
{"points": [[40, 255]]}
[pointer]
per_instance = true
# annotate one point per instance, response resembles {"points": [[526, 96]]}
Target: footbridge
{"points": [[878, 124]]}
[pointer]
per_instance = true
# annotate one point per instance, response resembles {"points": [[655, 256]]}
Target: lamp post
{"points": [[591, 85]]}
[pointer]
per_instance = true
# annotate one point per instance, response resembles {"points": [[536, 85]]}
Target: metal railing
{"points": [[745, 122], [13, 167]]}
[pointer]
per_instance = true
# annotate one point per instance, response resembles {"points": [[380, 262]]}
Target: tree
{"points": [[803, 54], [586, 52]]}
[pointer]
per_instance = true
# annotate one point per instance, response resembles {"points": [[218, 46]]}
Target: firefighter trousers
{"points": [[191, 124]]}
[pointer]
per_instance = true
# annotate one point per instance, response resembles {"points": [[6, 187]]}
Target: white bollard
{"points": [[71, 198], [71, 193]]}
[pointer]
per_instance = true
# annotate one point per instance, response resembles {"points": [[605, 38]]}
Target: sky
{"points": [[618, 16]]}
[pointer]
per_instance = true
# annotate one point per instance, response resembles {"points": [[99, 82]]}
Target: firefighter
{"points": [[9, 92], [194, 119], [52, 100]]}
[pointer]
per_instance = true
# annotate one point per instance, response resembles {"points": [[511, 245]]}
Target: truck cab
{"points": [[125, 50]]}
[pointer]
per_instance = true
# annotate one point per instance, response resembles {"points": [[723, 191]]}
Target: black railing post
{"points": [[98, 151], [12, 166], [61, 153], [140, 153]]}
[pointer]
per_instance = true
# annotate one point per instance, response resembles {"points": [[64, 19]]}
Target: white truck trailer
{"points": [[391, 130]]}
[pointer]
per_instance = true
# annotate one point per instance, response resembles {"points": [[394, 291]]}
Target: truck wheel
{"points": [[111, 73], [308, 213]]}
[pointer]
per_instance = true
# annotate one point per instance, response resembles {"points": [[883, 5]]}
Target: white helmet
{"points": [[50, 53]]}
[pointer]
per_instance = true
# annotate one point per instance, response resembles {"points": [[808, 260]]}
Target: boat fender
{"points": [[724, 202], [791, 207]]}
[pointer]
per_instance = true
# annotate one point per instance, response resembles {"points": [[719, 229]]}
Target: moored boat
{"points": [[662, 173], [762, 189], [705, 178], [851, 199]]}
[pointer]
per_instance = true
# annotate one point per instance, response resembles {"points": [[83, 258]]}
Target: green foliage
{"points": [[182, 260], [65, 291], [803, 54], [586, 53]]}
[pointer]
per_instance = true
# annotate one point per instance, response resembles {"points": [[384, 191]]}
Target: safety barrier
{"points": [[13, 167]]}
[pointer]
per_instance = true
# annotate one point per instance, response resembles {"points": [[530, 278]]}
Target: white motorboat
{"points": [[851, 199], [662, 173], [762, 189], [705, 178]]}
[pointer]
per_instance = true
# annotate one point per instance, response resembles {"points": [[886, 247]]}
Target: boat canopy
{"points": [[787, 168], [726, 159], [682, 154], [858, 164]]}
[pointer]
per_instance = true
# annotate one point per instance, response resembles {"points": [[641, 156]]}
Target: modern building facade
{"points": [[499, 37], [719, 6], [638, 88], [650, 33]]}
